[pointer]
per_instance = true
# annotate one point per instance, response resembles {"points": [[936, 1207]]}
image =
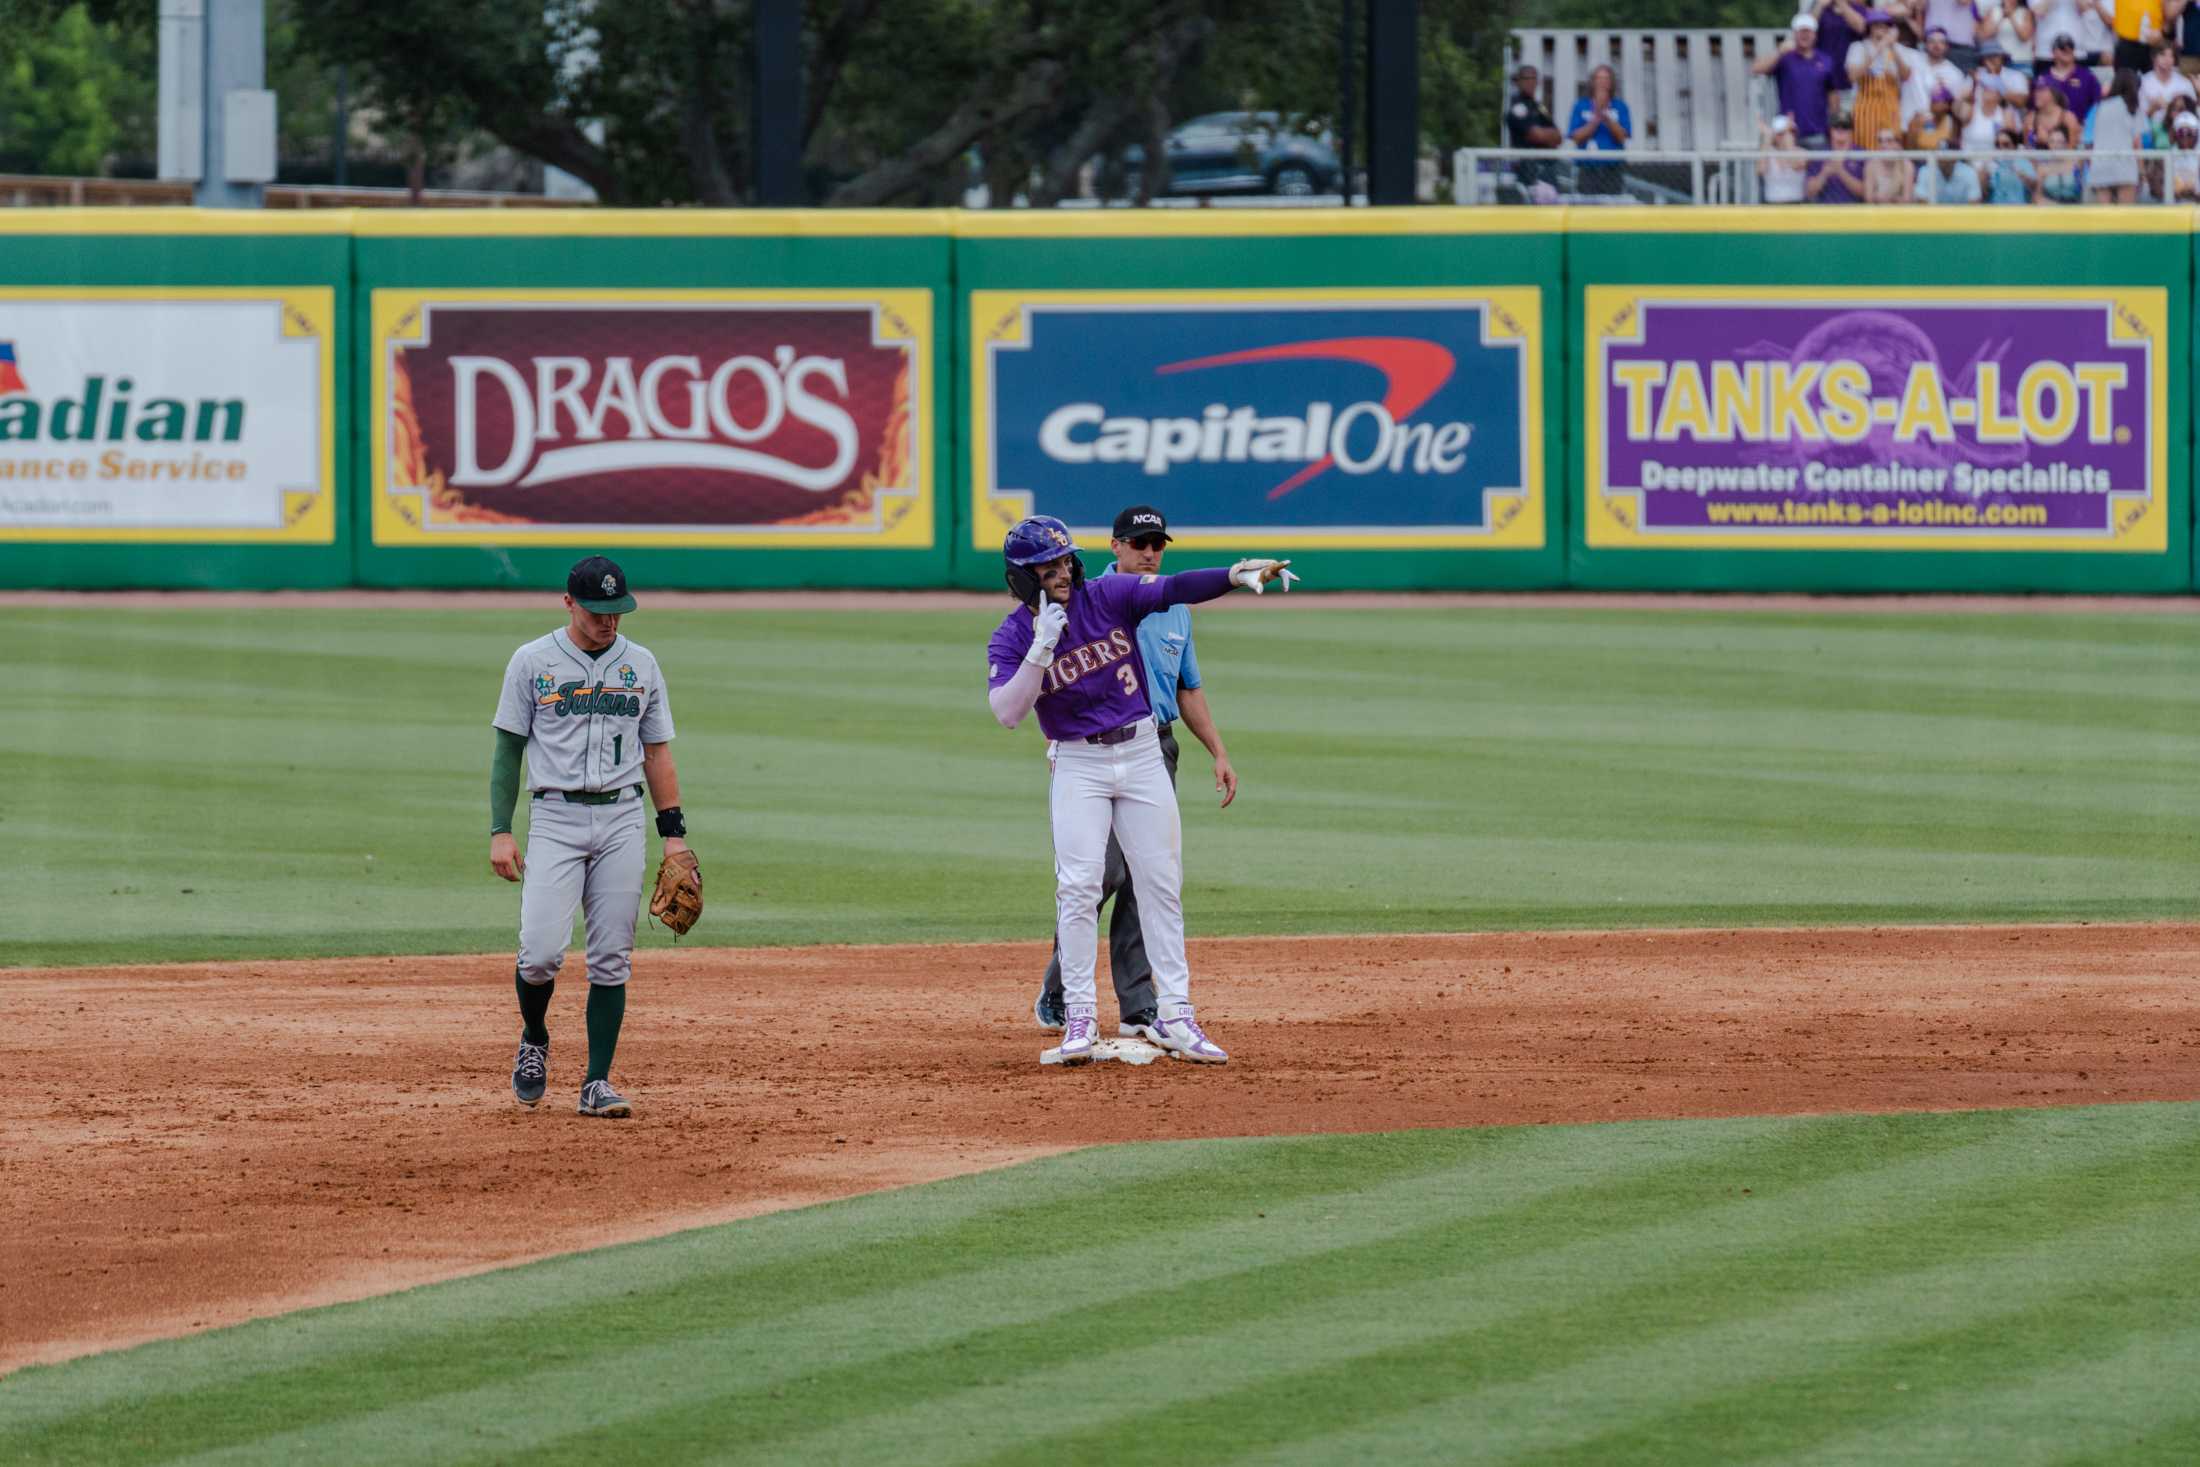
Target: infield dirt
{"points": [[195, 1145]]}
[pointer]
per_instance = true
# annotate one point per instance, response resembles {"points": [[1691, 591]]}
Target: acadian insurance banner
{"points": [[1882, 419], [1375, 418], [168, 414], [674, 418]]}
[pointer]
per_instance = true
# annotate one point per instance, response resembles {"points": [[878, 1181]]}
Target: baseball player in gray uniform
{"points": [[588, 710]]}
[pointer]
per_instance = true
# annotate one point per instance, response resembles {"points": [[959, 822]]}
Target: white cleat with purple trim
{"points": [[1181, 1036], [1080, 1031]]}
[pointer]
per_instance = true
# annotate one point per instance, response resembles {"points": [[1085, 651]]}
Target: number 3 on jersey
{"points": [[1130, 679]]}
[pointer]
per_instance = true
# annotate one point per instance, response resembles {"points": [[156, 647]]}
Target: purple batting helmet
{"points": [[1036, 541]]}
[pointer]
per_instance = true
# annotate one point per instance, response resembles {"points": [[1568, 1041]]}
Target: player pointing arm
{"points": [[1140, 538], [1069, 652]]}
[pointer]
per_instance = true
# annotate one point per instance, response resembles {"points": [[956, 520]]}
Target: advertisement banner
{"points": [[1993, 418], [1303, 418], [168, 414], [670, 418]]}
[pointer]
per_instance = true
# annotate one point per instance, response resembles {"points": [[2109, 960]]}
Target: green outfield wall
{"points": [[1881, 399], [1363, 387], [175, 398], [718, 399], [1752, 399]]}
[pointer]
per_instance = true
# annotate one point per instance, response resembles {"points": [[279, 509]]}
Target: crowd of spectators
{"points": [[1987, 83], [1993, 84]]}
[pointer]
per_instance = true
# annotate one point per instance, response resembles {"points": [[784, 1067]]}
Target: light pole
{"points": [[217, 119]]}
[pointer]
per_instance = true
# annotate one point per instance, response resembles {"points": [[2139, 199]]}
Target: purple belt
{"points": [[1121, 735]]}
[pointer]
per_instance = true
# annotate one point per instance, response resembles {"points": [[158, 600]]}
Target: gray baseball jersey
{"points": [[585, 716]]}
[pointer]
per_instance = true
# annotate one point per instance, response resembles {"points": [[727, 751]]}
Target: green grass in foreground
{"points": [[1999, 1287], [233, 783]]}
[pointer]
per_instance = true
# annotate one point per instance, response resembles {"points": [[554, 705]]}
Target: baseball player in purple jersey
{"points": [[1070, 651]]}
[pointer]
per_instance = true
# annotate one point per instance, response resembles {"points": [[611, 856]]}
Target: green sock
{"points": [[534, 1006], [606, 1009]]}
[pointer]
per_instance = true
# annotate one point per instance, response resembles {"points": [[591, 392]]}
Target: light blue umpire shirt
{"points": [[1165, 642]]}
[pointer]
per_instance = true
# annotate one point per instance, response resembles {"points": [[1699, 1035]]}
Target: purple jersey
{"points": [[1097, 680]]}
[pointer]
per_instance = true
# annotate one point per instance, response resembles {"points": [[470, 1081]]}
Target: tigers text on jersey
{"points": [[1097, 680], [585, 716]]}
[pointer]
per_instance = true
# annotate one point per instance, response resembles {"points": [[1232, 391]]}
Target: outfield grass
{"points": [[2002, 1287], [217, 783]]}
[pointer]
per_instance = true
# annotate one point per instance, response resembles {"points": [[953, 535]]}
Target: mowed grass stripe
{"points": [[2065, 1411], [1760, 1386], [1275, 1272], [879, 1336], [1550, 1229], [502, 1326], [1559, 1310], [1949, 768], [698, 1258], [1921, 1368]]}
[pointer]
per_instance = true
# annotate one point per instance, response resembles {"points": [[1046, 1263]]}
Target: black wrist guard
{"points": [[671, 822]]}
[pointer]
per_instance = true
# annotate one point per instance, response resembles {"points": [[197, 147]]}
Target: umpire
{"points": [[1172, 690]]}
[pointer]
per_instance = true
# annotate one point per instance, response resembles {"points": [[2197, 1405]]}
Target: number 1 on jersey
{"points": [[616, 740]]}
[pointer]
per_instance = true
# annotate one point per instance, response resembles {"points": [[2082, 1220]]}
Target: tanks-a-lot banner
{"points": [[1321, 416], [1889, 419], [168, 414], [671, 418]]}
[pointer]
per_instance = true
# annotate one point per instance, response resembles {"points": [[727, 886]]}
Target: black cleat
{"points": [[1048, 1012], [599, 1099], [530, 1072]]}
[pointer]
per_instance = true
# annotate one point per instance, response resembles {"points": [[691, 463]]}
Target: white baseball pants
{"points": [[1124, 788], [581, 855]]}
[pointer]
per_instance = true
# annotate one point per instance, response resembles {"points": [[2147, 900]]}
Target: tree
{"points": [[79, 86], [74, 91], [906, 101]]}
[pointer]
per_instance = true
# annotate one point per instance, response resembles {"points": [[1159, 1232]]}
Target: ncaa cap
{"points": [[599, 586], [1141, 519]]}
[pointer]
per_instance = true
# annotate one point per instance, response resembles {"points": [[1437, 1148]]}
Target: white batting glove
{"points": [[1254, 575], [1046, 632]]}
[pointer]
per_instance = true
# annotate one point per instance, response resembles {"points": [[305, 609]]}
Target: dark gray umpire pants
{"points": [[1127, 964]]}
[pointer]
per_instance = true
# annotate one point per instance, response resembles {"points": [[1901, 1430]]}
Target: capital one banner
{"points": [[1304, 417], [1897, 419], [168, 414], [786, 418]]}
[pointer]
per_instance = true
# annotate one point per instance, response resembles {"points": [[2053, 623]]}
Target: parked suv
{"points": [[1236, 153]]}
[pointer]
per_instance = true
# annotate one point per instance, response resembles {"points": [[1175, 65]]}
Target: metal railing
{"points": [[1686, 88], [42, 191], [1554, 176]]}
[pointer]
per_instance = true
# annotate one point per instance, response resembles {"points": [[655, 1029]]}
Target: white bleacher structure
{"points": [[1689, 91]]}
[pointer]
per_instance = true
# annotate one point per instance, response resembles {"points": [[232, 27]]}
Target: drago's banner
{"points": [[1884, 419], [752, 418], [1295, 418], [178, 415]]}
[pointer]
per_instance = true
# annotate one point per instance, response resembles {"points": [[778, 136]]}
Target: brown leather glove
{"points": [[678, 900]]}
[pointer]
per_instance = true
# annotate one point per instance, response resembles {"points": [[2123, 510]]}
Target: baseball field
{"points": [[1670, 1031]]}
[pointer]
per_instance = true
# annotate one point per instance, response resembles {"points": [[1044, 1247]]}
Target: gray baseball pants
{"points": [[1128, 966], [581, 857]]}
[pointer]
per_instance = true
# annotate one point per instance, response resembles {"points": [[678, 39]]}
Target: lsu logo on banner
{"points": [[1882, 418], [1368, 418], [652, 418]]}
